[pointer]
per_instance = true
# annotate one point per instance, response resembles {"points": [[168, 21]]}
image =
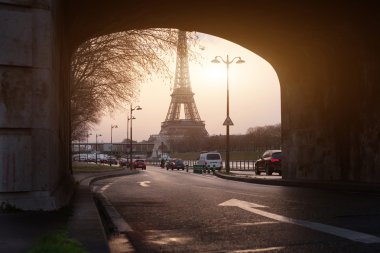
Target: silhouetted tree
{"points": [[106, 71]]}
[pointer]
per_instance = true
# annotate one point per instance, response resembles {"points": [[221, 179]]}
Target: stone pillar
{"points": [[33, 166], [330, 120]]}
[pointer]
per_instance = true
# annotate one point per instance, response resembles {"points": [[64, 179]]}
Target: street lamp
{"points": [[228, 122], [132, 109], [128, 119], [112, 127], [88, 134], [96, 147]]}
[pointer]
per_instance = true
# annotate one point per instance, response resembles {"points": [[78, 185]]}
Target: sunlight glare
{"points": [[215, 72]]}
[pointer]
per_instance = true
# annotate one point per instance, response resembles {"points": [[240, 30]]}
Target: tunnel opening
{"points": [[328, 69], [253, 96], [315, 61]]}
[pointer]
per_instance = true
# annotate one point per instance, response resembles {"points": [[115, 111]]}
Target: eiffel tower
{"points": [[182, 94]]}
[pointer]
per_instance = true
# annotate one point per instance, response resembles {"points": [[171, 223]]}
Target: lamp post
{"points": [[128, 119], [112, 127], [228, 122], [132, 109], [88, 134], [79, 149], [96, 147]]}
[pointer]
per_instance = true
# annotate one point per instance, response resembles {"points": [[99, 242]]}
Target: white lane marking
{"points": [[105, 187], [257, 250], [144, 183], [337, 231], [256, 223]]}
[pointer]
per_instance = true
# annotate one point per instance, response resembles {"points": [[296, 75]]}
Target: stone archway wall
{"points": [[325, 54], [34, 123]]}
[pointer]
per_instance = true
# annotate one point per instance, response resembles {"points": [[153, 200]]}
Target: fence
{"points": [[234, 165]]}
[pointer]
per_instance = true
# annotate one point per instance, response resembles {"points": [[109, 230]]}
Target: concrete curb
{"points": [[86, 224], [101, 177], [346, 186], [119, 242]]}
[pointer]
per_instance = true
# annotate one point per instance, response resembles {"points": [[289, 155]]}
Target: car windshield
{"points": [[213, 157], [277, 155], [139, 161]]}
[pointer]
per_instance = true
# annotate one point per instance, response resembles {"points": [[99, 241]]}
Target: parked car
{"points": [[269, 162], [112, 160], [139, 164], [123, 162], [176, 164]]}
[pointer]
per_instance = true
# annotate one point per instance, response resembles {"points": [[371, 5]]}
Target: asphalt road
{"points": [[175, 211]]}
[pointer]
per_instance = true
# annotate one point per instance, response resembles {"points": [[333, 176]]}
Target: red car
{"points": [[139, 164]]}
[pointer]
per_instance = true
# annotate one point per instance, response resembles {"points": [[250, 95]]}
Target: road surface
{"points": [[176, 211]]}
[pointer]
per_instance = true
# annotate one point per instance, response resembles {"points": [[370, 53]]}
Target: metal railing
{"points": [[234, 165]]}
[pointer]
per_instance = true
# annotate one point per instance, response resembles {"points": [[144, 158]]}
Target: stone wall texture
{"points": [[326, 55], [32, 168]]}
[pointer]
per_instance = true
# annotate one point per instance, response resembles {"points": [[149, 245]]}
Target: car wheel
{"points": [[268, 170], [257, 172], [280, 173]]}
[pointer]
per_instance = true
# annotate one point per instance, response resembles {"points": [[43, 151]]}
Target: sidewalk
{"points": [[21, 231]]}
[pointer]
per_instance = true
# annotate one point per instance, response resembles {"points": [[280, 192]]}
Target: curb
{"points": [[101, 177], [118, 238], [88, 218], [346, 186]]}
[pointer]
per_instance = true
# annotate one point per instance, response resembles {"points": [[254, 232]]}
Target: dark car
{"points": [[123, 162], [169, 164], [269, 162], [178, 164], [139, 164], [112, 160]]}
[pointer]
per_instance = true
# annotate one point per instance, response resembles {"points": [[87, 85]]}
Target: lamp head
{"points": [[215, 60], [240, 61], [138, 108]]}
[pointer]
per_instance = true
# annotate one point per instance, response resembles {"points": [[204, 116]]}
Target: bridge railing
{"points": [[234, 165]]}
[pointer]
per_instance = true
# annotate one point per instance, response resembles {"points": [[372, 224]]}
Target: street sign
{"points": [[228, 122]]}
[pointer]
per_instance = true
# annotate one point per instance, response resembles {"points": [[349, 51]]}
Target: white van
{"points": [[212, 160]]}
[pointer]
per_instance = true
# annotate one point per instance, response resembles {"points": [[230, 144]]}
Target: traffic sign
{"points": [[228, 122]]}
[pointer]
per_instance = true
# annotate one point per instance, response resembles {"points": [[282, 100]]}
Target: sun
{"points": [[215, 72]]}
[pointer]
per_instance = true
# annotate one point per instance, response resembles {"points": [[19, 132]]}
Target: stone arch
{"points": [[326, 55], [321, 55]]}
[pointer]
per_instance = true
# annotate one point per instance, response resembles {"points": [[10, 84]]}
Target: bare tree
{"points": [[265, 137], [107, 70]]}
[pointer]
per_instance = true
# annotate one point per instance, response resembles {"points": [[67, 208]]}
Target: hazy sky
{"points": [[254, 95]]}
